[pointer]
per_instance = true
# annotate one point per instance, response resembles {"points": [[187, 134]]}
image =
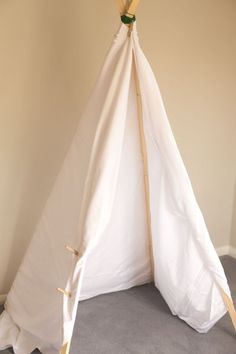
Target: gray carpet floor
{"points": [[138, 321]]}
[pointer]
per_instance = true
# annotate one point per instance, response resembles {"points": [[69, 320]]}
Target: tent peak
{"points": [[128, 11]]}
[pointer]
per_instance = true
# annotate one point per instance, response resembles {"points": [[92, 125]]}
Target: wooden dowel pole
{"points": [[121, 6], [64, 292], [129, 8], [230, 307], [133, 7], [144, 157], [65, 349], [74, 251]]}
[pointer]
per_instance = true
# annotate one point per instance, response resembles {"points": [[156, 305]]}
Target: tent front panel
{"points": [[121, 259]]}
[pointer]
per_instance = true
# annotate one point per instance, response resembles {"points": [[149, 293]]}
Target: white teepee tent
{"points": [[124, 206]]}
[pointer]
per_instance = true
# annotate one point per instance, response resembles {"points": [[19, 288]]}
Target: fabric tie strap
{"points": [[128, 19]]}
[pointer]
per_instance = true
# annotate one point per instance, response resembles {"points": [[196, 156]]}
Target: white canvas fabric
{"points": [[97, 206]]}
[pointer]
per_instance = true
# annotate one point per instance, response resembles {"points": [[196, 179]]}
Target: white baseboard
{"points": [[226, 251], [222, 251], [3, 298], [232, 252]]}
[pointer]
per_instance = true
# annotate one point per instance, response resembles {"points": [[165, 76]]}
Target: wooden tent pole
{"points": [[230, 307], [129, 8], [132, 7], [144, 158], [121, 6], [65, 349]]}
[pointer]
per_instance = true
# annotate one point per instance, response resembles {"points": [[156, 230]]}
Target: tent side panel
{"points": [[187, 268]]}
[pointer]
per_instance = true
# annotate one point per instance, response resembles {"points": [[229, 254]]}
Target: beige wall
{"points": [[50, 55]]}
